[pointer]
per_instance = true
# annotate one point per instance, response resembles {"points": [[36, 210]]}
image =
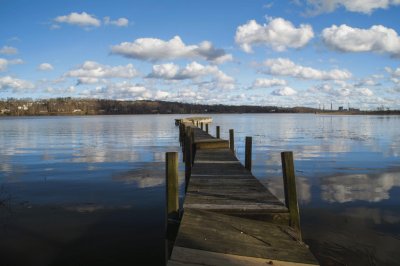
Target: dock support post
{"points": [[217, 129], [188, 157], [207, 128], [171, 159], [289, 185], [201, 125], [231, 140], [247, 159], [181, 133], [172, 202], [183, 142], [192, 146]]}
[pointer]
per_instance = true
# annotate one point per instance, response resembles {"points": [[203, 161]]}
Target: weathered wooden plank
{"points": [[237, 208], [207, 155], [222, 169], [187, 256], [210, 231], [222, 176], [233, 181], [229, 200], [196, 119], [211, 144]]}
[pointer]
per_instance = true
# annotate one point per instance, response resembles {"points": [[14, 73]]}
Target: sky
{"points": [[313, 53]]}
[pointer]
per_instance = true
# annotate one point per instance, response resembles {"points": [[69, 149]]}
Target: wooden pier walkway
{"points": [[229, 217]]}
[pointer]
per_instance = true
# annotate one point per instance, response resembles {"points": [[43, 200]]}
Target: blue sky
{"points": [[285, 53]]}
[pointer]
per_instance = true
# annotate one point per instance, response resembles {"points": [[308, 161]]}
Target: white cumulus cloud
{"points": [[45, 67], [285, 91], [361, 6], [80, 19], [365, 92], [161, 95], [92, 72], [375, 39], [8, 50], [267, 83], [286, 67], [15, 84], [121, 22], [193, 70], [278, 33], [152, 49]]}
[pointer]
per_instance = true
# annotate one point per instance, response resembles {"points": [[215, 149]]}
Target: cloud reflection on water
{"points": [[365, 187]]}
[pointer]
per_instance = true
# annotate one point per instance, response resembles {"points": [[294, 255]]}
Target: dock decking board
{"points": [[230, 218], [215, 232]]}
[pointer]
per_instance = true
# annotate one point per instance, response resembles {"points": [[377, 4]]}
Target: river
{"points": [[90, 190]]}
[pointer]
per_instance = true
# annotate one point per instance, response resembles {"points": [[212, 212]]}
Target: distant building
{"points": [[23, 107], [340, 108]]}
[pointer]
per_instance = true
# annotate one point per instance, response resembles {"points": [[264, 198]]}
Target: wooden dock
{"points": [[229, 217]]}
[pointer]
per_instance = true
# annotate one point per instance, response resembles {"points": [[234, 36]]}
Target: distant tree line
{"points": [[76, 106], [73, 106]]}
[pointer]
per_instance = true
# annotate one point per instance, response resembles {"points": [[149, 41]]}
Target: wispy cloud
{"points": [[4, 63], [8, 50], [316, 7], [267, 83], [120, 22]]}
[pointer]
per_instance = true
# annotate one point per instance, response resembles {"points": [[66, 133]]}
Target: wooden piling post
{"points": [[289, 185], [171, 159], [184, 133], [217, 129], [248, 148], [231, 140], [181, 133], [207, 128], [197, 123], [201, 125], [188, 157], [192, 147]]}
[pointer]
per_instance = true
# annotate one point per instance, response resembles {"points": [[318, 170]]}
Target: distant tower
{"points": [[331, 107]]}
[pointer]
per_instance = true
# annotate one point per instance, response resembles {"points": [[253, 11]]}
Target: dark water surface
{"points": [[90, 190]]}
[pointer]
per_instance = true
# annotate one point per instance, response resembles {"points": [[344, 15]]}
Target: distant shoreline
{"points": [[82, 107]]}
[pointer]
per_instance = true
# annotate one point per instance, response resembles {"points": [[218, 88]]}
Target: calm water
{"points": [[90, 190]]}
